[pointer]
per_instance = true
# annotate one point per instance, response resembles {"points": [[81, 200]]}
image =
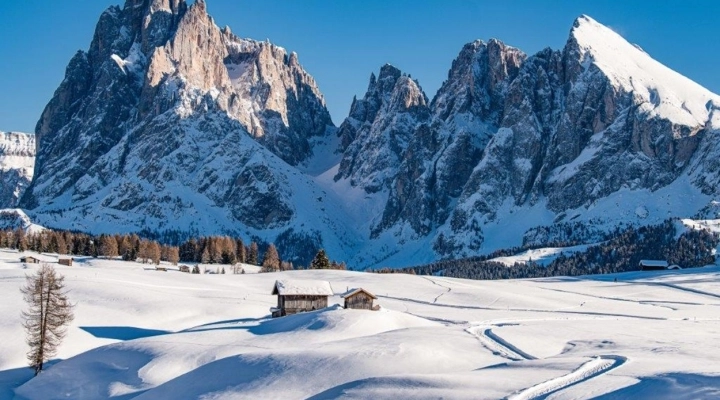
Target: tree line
{"points": [[621, 252], [131, 247]]}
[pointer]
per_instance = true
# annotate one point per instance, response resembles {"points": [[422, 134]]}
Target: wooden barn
{"points": [[653, 265], [29, 260], [359, 299], [184, 268], [67, 261], [295, 296]]}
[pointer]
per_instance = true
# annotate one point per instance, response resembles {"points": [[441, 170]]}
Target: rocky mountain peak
{"points": [[389, 71], [365, 110], [477, 80], [165, 97], [407, 94], [382, 123], [663, 92]]}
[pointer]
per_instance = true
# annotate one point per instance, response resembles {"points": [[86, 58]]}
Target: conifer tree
{"points": [[20, 240], [252, 254], [271, 260], [154, 252], [144, 251], [108, 246], [205, 258], [61, 244], [320, 261], [49, 312], [173, 255], [240, 251]]}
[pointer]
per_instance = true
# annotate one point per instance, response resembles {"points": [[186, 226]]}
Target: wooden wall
{"points": [[295, 304], [359, 301]]}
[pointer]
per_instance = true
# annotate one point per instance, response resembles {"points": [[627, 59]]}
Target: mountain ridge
{"points": [[241, 143]]}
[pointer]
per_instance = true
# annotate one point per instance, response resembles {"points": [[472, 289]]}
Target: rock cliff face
{"points": [[584, 123], [169, 123], [379, 129], [557, 133], [17, 162], [445, 148]]}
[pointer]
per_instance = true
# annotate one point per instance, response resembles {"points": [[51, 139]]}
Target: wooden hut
{"points": [[67, 261], [184, 268], [359, 299], [295, 296], [653, 265], [30, 260]]}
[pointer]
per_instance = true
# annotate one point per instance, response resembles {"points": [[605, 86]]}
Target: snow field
{"points": [[140, 333]]}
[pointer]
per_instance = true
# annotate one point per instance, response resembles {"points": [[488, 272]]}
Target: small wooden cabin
{"points": [[653, 265], [29, 260], [359, 299], [67, 261], [184, 268], [296, 296]]}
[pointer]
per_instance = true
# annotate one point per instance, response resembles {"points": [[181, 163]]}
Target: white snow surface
{"points": [[542, 256], [17, 151], [303, 287], [13, 218], [665, 92], [141, 333]]}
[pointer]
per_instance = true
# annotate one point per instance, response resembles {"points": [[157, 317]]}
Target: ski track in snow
{"points": [[449, 289], [522, 309], [678, 287], [498, 345], [643, 302], [597, 366], [591, 369]]}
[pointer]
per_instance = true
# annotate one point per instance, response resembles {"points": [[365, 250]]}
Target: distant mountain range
{"points": [[168, 123]]}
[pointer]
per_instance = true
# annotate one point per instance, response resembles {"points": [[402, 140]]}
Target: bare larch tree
{"points": [[48, 314]]}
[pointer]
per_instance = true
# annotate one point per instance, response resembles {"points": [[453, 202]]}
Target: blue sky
{"points": [[341, 42]]}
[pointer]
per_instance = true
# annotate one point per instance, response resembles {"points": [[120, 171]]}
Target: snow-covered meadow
{"points": [[141, 333]]}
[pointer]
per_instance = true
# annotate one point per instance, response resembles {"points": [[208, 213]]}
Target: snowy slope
{"points": [[140, 333], [663, 92], [17, 163], [14, 218]]}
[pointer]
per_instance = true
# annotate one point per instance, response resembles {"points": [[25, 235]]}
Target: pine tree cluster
{"points": [[620, 253]]}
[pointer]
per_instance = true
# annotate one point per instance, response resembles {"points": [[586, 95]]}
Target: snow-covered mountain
{"points": [[168, 123], [596, 131], [17, 162]]}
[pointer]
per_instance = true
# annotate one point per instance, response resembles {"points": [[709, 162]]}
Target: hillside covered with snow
{"points": [[141, 333], [17, 164]]}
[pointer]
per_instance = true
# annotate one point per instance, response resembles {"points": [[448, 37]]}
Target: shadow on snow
{"points": [[122, 332]]}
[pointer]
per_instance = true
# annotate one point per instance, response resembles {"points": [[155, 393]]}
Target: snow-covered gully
{"points": [[591, 369]]}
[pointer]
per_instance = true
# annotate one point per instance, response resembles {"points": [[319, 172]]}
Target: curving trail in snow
{"points": [[498, 345], [449, 289], [591, 369]]}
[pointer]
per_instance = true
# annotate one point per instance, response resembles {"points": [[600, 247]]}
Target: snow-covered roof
{"points": [[355, 291], [302, 287], [654, 263]]}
